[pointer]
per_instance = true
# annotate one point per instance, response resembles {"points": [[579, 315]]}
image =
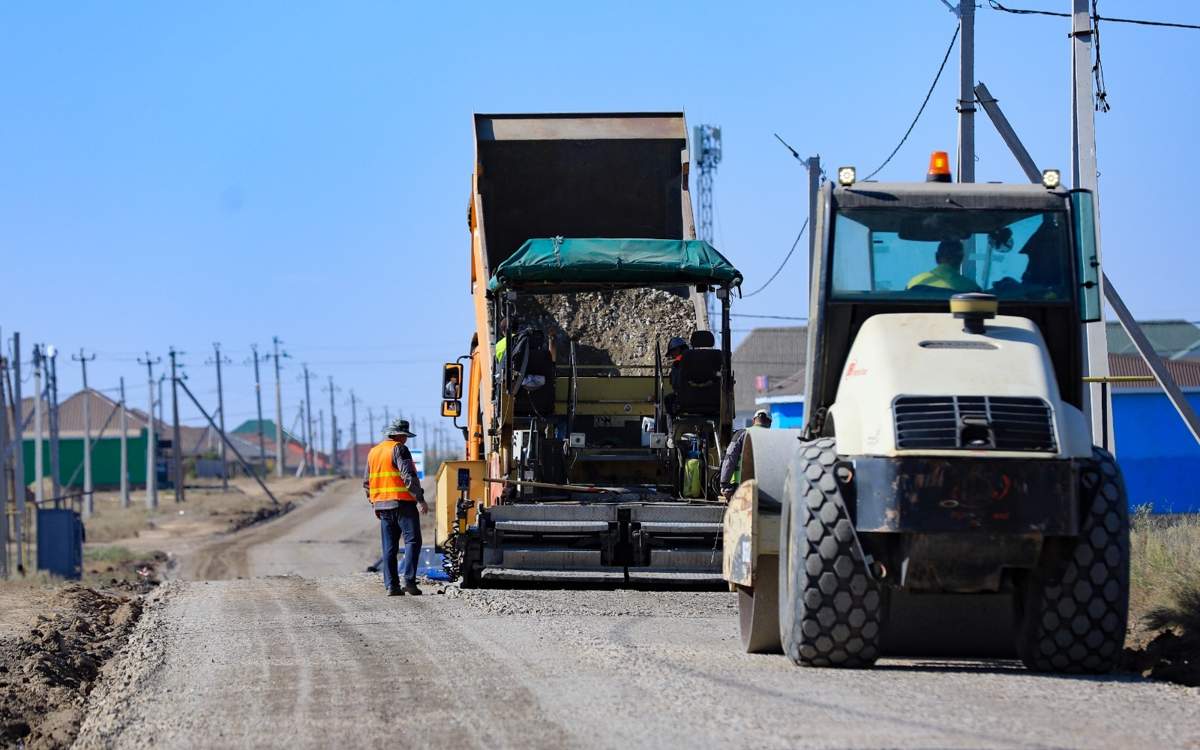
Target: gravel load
{"points": [[618, 327]]}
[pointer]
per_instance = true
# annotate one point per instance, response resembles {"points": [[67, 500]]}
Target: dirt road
{"points": [[325, 659]]}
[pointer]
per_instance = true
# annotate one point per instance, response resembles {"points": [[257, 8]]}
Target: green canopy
{"points": [[555, 261]]}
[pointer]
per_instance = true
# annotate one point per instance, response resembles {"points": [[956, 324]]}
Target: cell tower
{"points": [[706, 140]]}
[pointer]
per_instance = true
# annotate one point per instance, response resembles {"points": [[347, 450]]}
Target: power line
{"points": [[786, 258], [928, 94], [1135, 21], [767, 317]]}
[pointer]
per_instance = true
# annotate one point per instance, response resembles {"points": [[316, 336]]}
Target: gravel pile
{"points": [[617, 327]]}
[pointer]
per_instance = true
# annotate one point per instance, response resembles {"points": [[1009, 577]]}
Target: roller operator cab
{"points": [[944, 497]]}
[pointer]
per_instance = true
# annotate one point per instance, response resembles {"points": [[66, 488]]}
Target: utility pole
{"points": [[89, 498], [353, 434], [151, 438], [333, 429], [308, 444], [1084, 176], [371, 423], [321, 428], [262, 438], [218, 360], [280, 447], [387, 418], [39, 462], [176, 440], [124, 450], [52, 383], [813, 165], [19, 454], [966, 90], [4, 468]]}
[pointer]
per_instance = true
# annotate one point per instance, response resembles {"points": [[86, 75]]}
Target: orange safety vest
{"points": [[384, 481]]}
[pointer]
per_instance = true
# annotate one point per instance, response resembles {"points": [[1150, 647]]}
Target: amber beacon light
{"points": [[939, 167]]}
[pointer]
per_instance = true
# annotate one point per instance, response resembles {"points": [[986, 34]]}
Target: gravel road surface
{"points": [[325, 659]]}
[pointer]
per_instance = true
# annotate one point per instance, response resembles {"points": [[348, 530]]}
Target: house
{"points": [[104, 419], [767, 356], [1171, 339]]}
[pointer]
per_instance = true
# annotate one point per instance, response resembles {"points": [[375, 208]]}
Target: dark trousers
{"points": [[393, 523]]}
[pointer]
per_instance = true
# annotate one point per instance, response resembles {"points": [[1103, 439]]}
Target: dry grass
{"points": [[1164, 570]]}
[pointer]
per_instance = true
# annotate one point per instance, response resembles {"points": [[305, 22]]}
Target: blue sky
{"points": [[178, 174]]}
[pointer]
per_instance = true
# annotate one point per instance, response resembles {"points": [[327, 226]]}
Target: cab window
{"points": [[911, 254]]}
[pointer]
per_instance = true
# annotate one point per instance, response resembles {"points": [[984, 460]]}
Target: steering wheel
{"points": [[521, 345]]}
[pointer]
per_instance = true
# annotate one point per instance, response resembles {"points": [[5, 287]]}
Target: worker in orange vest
{"points": [[394, 489]]}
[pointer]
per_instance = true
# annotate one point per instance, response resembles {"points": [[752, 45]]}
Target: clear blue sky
{"points": [[178, 174]]}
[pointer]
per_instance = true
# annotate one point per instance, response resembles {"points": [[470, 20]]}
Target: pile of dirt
{"points": [[618, 327], [1173, 654], [47, 674], [265, 513]]}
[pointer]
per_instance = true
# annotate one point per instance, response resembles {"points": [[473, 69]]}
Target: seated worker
{"points": [[946, 275], [675, 349]]}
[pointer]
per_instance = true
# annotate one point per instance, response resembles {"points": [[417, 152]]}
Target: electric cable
{"points": [[995, 5], [786, 258], [920, 111]]}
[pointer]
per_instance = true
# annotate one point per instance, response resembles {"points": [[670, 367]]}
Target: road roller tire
{"points": [[758, 609], [831, 610], [1074, 611]]}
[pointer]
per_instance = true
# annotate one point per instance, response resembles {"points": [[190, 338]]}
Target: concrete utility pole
{"points": [[52, 382], [387, 418], [262, 438], [353, 434], [966, 91], [39, 462], [4, 469], [333, 428], [308, 442], [813, 165], [1084, 175], [176, 440], [218, 360], [89, 498], [151, 438], [124, 449], [371, 424], [280, 447], [19, 453], [321, 428]]}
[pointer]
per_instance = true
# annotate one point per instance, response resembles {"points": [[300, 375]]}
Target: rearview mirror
{"points": [[451, 408], [452, 375]]}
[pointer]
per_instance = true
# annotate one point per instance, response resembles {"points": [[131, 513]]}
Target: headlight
{"points": [[1051, 178], [846, 176]]}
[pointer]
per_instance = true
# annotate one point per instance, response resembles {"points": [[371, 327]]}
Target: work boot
{"points": [[411, 589], [397, 592]]}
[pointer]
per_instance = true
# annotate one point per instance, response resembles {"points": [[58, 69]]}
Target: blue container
{"points": [[60, 542]]}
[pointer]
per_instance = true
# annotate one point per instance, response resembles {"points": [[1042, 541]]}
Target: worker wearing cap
{"points": [[395, 492], [947, 273], [732, 463], [675, 349]]}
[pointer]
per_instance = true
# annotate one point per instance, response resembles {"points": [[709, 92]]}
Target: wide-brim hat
{"points": [[399, 427]]}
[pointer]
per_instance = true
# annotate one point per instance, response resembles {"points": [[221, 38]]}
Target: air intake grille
{"points": [[974, 423]]}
